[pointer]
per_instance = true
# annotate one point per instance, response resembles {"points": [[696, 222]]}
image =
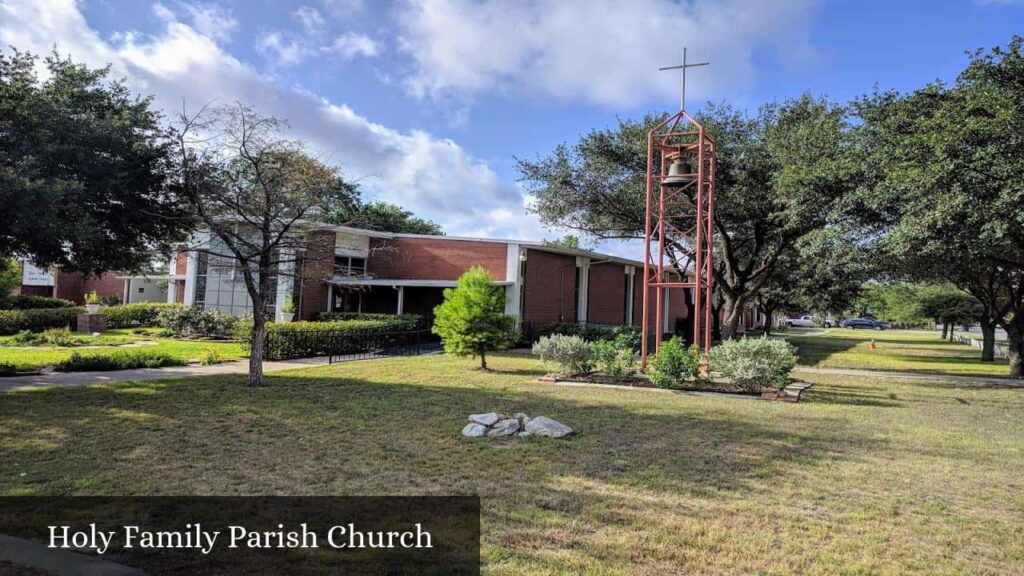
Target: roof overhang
{"points": [[397, 282]]}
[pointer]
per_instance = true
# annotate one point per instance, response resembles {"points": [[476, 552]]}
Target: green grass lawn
{"points": [[900, 350], [36, 357], [863, 476]]}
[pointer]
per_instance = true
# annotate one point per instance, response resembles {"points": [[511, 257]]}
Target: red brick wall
{"points": [[606, 294], [434, 258], [74, 286], [107, 284], [70, 286], [545, 272], [317, 266], [181, 263]]}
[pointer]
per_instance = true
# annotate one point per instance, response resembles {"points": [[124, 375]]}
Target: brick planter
{"points": [[89, 323]]}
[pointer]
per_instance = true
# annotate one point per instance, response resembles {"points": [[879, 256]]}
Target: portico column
{"points": [[401, 300]]}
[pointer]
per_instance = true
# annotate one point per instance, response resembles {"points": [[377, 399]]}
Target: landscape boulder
{"points": [[495, 425], [544, 426]]}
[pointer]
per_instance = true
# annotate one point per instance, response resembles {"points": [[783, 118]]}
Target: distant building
{"points": [[73, 285], [348, 269]]}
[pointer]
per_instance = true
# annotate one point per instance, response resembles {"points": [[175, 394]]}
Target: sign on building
{"points": [[34, 276]]}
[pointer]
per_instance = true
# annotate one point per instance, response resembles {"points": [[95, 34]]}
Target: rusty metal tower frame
{"points": [[680, 212]]}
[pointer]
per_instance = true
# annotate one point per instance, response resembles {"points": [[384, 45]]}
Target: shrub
{"points": [[192, 321], [414, 321], [573, 354], [754, 363], [288, 307], [32, 302], [210, 356], [286, 340], [674, 364], [592, 332], [54, 337], [110, 300], [472, 321], [139, 314], [118, 360], [615, 358], [37, 320], [8, 369]]}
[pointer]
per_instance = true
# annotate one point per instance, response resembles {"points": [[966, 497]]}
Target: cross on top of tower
{"points": [[682, 76]]}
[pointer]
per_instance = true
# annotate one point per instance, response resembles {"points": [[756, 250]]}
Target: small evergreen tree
{"points": [[472, 321]]}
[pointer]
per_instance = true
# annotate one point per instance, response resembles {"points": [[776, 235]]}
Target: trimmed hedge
{"points": [[37, 320], [118, 360], [136, 315], [346, 316], [287, 340], [192, 321], [33, 302]]}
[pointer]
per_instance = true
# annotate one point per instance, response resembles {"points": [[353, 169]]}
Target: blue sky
{"points": [[428, 102]]}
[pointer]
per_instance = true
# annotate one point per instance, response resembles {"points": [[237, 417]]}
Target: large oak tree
{"points": [[783, 173], [82, 170], [948, 192]]}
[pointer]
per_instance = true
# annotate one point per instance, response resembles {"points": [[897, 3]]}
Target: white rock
{"points": [[523, 419], [474, 430], [487, 419], [544, 426], [506, 427]]}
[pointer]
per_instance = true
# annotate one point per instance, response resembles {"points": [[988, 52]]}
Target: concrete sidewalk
{"points": [[911, 375], [85, 378]]}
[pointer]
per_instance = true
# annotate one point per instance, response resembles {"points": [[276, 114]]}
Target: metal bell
{"points": [[678, 172]]}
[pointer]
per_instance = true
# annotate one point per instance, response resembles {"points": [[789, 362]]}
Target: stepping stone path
{"points": [[494, 425]]}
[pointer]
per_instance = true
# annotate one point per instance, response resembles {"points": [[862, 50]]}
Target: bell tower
{"points": [[679, 224]]}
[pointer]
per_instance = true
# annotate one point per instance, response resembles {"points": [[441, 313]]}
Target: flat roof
{"points": [[358, 281]]}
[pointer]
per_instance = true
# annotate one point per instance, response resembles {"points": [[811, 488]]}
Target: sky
{"points": [[428, 103]]}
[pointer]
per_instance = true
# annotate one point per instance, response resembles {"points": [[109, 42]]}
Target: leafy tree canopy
{"points": [[82, 169], [782, 173]]}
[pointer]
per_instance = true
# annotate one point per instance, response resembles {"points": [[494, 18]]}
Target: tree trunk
{"points": [[687, 334], [988, 340], [945, 328], [768, 313], [259, 330], [1015, 335], [733, 312], [716, 323], [483, 360], [952, 328]]}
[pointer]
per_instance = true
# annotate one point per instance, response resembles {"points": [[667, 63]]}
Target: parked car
{"points": [[865, 323], [809, 322], [802, 322]]}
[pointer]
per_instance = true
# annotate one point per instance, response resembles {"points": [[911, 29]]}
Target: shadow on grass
{"points": [[332, 434]]}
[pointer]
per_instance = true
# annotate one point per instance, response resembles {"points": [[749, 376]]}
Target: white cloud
{"points": [[598, 51], [436, 178], [312, 22], [288, 48], [348, 46], [282, 49], [212, 20]]}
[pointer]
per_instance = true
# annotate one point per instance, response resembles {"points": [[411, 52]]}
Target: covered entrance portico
{"points": [[384, 296]]}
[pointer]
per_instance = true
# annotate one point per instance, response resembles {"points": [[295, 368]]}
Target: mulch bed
{"points": [[715, 385]]}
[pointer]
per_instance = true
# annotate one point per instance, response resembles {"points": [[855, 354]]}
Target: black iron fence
{"points": [[340, 345]]}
